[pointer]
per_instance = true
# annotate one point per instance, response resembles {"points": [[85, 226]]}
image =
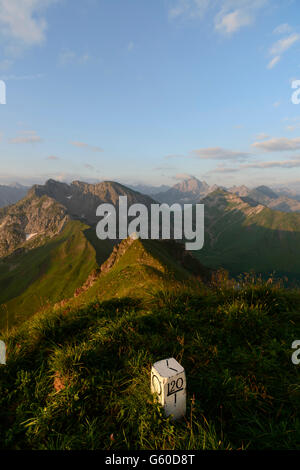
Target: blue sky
{"points": [[140, 91]]}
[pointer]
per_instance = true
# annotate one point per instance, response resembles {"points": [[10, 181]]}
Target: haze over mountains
{"points": [[12, 193], [191, 191]]}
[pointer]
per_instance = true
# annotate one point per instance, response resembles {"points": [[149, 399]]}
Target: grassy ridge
{"points": [[78, 376], [143, 266], [31, 280]]}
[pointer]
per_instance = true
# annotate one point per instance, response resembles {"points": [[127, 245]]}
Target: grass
{"points": [[37, 278], [78, 376]]}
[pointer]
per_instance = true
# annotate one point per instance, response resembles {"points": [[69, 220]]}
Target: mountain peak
{"points": [[188, 191], [267, 191], [241, 191], [191, 185]]}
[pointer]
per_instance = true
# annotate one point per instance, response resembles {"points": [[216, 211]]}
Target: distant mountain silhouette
{"points": [[12, 194], [189, 191]]}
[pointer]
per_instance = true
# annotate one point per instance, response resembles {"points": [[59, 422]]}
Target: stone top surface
{"points": [[168, 367]]}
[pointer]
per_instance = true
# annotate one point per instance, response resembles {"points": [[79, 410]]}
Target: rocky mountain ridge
{"points": [[46, 209]]}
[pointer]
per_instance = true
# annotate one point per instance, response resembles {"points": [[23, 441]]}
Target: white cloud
{"points": [[68, 56], [262, 136], [22, 20], [284, 44], [86, 146], [213, 153], [224, 169], [283, 29], [23, 77], [182, 176], [236, 14], [293, 128], [189, 8], [88, 166], [278, 145], [275, 164], [273, 62], [53, 158], [26, 137], [280, 47], [218, 153], [232, 22], [230, 15]]}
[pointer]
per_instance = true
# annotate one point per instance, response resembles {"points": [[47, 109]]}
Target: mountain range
{"points": [[48, 243], [49, 247], [191, 191], [188, 191], [269, 198]]}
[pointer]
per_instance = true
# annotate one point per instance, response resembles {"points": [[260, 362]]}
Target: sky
{"points": [[141, 91]]}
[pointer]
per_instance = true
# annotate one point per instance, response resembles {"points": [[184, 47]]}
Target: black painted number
{"points": [[175, 386]]}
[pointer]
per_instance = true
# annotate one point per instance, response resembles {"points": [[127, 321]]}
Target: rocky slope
{"points": [[46, 209], [82, 199], [29, 219]]}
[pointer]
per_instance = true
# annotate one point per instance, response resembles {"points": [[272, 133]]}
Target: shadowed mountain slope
{"points": [[268, 197], [240, 237]]}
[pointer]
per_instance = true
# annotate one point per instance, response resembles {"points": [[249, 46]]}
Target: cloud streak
{"points": [[52, 157], [26, 137], [281, 144], [214, 153], [230, 15], [67, 57], [281, 46], [189, 8], [86, 146], [219, 153], [275, 164]]}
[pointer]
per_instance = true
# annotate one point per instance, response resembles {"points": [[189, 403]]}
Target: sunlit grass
{"points": [[234, 344]]}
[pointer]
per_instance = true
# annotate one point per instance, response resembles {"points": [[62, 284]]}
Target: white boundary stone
{"points": [[2, 353], [168, 383]]}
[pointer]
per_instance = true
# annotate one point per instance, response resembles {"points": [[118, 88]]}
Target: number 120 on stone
{"points": [[168, 383]]}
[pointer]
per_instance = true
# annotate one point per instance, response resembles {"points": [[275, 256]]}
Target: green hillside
{"points": [[241, 238], [141, 266], [31, 280], [78, 375]]}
